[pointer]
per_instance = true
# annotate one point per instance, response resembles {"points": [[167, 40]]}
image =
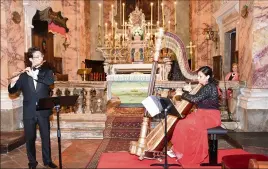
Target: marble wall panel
{"points": [[4, 58], [12, 40], [257, 120], [260, 45], [260, 58], [59, 50], [75, 53], [107, 13], [11, 119], [87, 29], [245, 45], [169, 9], [94, 30], [260, 14], [82, 32], [201, 13], [253, 46], [183, 22]]}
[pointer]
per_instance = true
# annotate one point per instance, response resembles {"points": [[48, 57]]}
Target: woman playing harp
{"points": [[189, 139]]}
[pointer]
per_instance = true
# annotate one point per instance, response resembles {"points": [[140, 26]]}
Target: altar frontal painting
{"points": [[130, 92]]}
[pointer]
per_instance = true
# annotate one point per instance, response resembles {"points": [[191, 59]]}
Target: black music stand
{"points": [[167, 106], [56, 102]]}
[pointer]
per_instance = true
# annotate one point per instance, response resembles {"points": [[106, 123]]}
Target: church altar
{"points": [[128, 55]]}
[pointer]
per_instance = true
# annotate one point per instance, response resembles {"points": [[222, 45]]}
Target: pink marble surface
{"points": [[12, 37], [71, 54], [82, 31], [201, 12], [169, 7], [245, 45], [87, 29], [77, 50], [12, 40], [260, 45], [107, 12]]}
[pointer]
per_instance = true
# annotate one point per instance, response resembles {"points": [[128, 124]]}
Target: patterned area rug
{"points": [[124, 111], [119, 132], [122, 127]]}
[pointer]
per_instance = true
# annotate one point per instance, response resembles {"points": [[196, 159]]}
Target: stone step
{"points": [[93, 133], [78, 124], [86, 128], [233, 125], [11, 140]]}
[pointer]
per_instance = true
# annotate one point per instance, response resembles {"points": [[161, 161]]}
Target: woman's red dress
{"points": [[190, 139]]}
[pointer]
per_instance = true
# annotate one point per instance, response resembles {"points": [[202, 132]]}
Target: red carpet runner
{"points": [[126, 160]]}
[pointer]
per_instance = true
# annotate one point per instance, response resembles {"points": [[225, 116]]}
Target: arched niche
{"points": [[30, 8]]}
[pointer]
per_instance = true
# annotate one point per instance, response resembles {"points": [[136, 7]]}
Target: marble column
{"points": [[12, 60], [253, 52]]}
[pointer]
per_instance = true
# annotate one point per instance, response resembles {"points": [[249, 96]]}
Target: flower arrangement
{"points": [[137, 31]]}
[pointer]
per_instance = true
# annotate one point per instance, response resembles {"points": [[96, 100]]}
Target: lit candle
{"points": [[145, 30], [158, 10], [99, 14], [26, 32], [115, 28], [26, 36], [169, 26], [148, 27], [105, 29], [157, 24], [152, 4], [163, 17], [123, 13], [112, 18], [125, 28], [123, 23], [175, 15]]}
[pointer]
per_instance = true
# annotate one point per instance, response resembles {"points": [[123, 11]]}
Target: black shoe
{"points": [[51, 165], [31, 167]]}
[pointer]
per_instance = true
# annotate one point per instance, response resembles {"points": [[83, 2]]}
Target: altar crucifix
{"points": [[191, 46]]}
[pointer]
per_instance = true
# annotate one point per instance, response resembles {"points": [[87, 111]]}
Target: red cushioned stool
{"points": [[240, 161]]}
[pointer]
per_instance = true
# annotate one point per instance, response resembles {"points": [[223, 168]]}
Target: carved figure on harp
{"points": [[189, 139]]}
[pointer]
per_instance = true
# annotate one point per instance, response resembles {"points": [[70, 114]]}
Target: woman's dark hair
{"points": [[32, 50], [208, 71]]}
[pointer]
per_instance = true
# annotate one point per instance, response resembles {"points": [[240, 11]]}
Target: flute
{"points": [[22, 71]]}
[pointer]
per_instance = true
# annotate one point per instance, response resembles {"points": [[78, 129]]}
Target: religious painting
{"points": [[130, 92], [137, 55], [145, 6]]}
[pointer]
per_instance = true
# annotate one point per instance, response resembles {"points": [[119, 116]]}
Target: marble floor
{"points": [[75, 154], [78, 153]]}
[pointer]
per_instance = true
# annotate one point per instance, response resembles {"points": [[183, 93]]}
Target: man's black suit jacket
{"points": [[30, 94]]}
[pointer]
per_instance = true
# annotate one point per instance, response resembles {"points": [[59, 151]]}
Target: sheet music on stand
{"points": [[156, 105]]}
